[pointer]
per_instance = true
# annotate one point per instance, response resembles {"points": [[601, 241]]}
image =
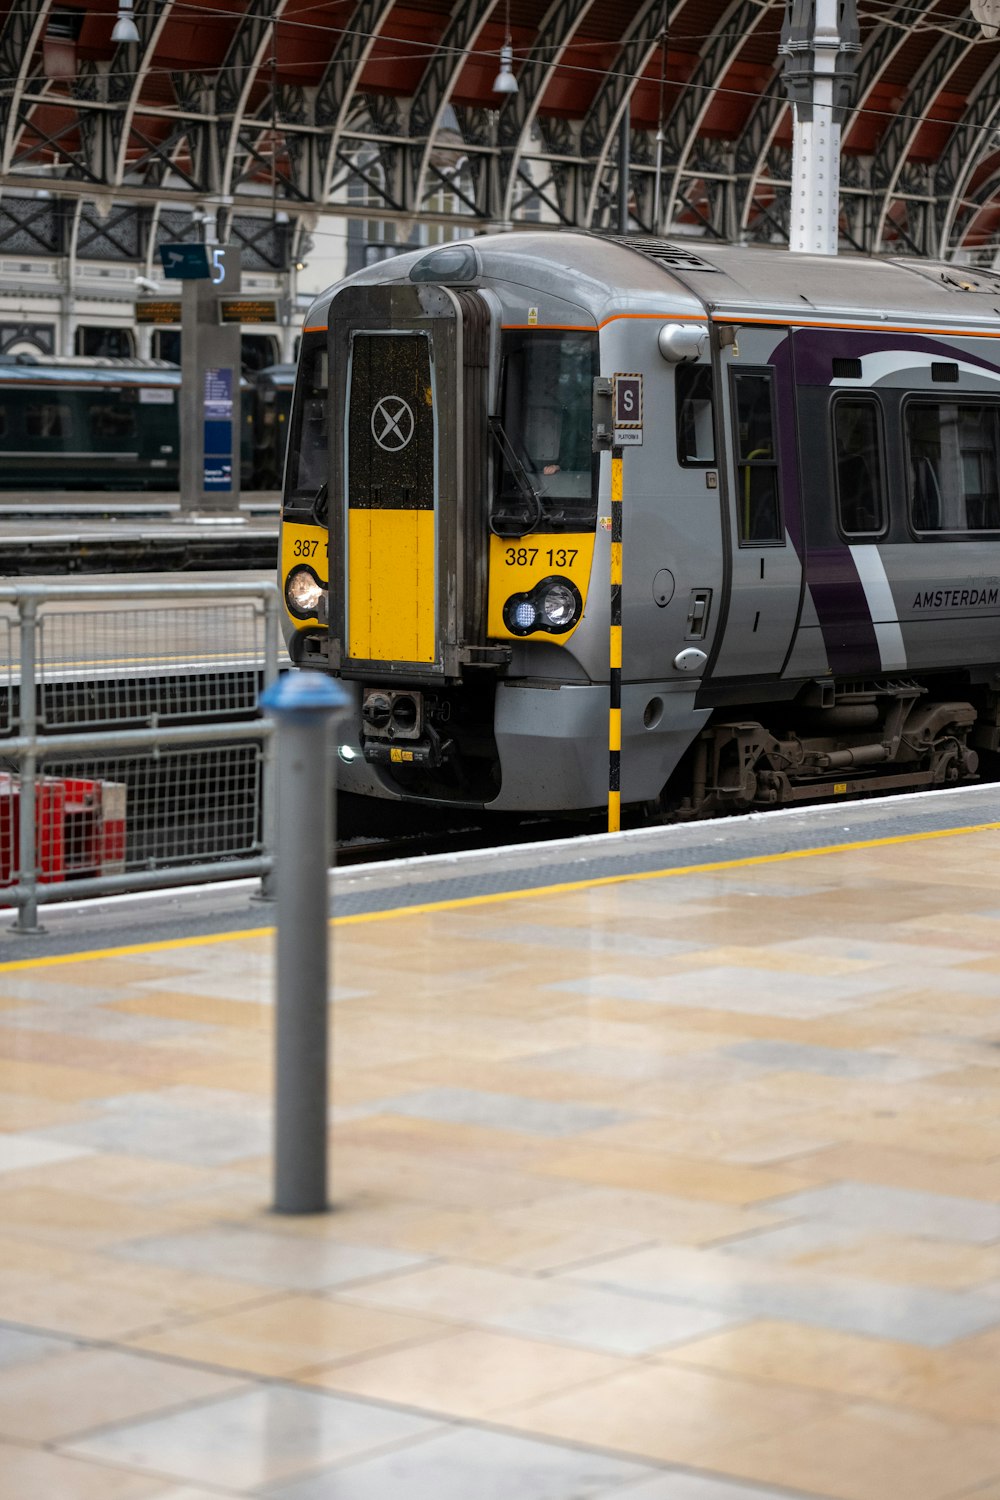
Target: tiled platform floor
{"points": [[676, 1189]]}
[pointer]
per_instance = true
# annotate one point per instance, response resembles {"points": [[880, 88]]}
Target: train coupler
{"points": [[430, 751]]}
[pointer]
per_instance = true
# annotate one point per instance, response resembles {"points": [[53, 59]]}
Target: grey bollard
{"points": [[304, 705]]}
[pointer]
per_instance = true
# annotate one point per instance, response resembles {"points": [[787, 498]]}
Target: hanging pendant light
{"points": [[125, 27], [505, 82]]}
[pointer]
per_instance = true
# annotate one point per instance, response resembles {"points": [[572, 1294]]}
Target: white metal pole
{"points": [[816, 145]]}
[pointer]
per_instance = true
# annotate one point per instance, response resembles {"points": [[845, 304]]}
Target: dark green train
{"points": [[113, 424]]}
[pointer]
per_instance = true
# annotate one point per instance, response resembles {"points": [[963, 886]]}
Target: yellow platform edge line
{"points": [[705, 869], [458, 902], [165, 945]]}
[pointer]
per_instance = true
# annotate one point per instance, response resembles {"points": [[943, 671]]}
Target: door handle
{"points": [[698, 610]]}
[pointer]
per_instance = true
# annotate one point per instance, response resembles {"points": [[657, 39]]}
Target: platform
{"points": [[85, 531], [665, 1167]]}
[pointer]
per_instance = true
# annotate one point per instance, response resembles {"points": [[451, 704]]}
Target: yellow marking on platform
{"points": [[457, 902], [53, 960]]}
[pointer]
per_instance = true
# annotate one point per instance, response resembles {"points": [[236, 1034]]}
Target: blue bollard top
{"points": [[301, 694]]}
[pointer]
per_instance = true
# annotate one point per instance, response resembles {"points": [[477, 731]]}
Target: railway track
{"points": [[375, 833]]}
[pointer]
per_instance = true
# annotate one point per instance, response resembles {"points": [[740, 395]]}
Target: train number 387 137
{"points": [[556, 557]]}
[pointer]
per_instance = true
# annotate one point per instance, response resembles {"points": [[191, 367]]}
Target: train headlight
{"points": [[554, 605], [558, 605], [303, 593]]}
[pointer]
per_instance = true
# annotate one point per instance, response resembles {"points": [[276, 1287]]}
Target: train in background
{"points": [[113, 424], [809, 455], [271, 402]]}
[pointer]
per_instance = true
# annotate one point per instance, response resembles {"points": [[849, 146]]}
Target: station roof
{"points": [[385, 109]]}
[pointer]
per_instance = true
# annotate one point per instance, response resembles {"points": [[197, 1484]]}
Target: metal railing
{"points": [[133, 753]]}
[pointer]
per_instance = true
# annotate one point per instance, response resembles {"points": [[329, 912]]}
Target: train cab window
{"points": [[308, 466], [47, 419], [857, 439], [951, 452], [757, 498], [695, 416], [546, 405]]}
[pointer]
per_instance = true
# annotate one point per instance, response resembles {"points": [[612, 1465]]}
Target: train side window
{"points": [[857, 439], [757, 497], [3, 422], [111, 420], [308, 467], [47, 419], [954, 476], [695, 416]]}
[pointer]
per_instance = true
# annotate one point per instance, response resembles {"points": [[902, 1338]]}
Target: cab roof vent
{"points": [[662, 252]]}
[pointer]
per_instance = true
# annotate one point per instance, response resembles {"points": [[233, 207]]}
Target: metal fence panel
{"points": [[148, 662], [134, 750]]}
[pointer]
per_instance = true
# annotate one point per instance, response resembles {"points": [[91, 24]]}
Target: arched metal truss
{"points": [[963, 160], [687, 149], [899, 181], [517, 119], [287, 111]]}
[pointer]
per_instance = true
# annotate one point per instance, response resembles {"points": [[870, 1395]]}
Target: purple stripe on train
{"points": [[837, 592], [805, 358]]}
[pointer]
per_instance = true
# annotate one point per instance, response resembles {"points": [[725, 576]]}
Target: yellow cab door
{"points": [[391, 494]]}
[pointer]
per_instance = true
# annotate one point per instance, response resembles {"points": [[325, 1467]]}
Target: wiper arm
{"points": [[529, 494], [317, 506]]}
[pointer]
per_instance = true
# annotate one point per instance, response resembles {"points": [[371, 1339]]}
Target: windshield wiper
{"points": [[317, 507], [529, 519]]}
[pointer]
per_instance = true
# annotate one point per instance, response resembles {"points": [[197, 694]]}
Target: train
{"points": [[113, 424], [805, 453]]}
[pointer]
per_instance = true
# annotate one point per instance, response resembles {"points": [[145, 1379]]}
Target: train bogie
{"points": [[808, 455]]}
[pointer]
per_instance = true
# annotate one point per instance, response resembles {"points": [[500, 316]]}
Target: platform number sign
{"points": [[627, 410]]}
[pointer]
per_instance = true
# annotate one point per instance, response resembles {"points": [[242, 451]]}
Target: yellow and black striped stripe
{"points": [[615, 677]]}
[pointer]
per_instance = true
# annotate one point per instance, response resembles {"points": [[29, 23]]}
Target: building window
{"points": [[167, 344], [27, 338], [104, 343]]}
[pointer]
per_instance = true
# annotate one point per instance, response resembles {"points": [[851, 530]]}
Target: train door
{"points": [[402, 507], [764, 516], [392, 495]]}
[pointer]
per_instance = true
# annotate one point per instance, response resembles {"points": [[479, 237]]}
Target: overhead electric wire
{"points": [[419, 49]]}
